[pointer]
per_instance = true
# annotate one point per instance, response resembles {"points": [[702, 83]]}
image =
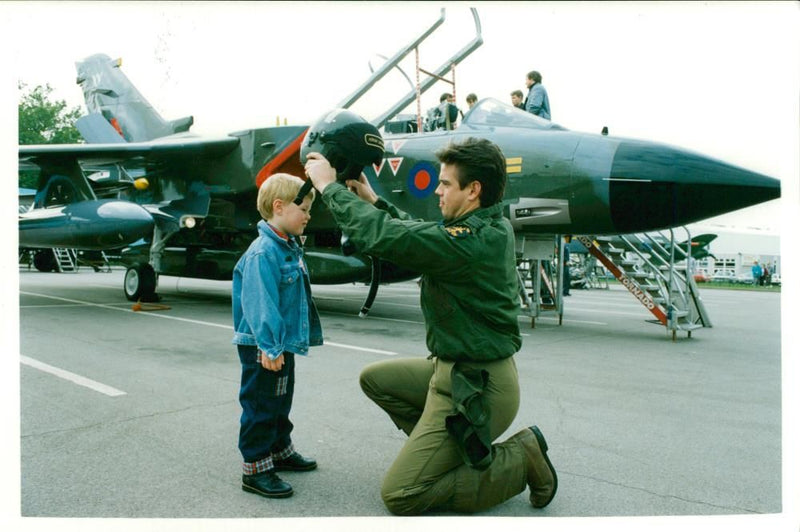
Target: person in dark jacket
{"points": [[516, 99], [454, 403]]}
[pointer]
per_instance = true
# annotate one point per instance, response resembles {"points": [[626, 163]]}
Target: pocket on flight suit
{"points": [[469, 422]]}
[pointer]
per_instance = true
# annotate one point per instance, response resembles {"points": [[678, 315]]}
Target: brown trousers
{"points": [[429, 474]]}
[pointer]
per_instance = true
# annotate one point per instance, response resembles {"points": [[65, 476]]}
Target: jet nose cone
{"points": [[669, 187]]}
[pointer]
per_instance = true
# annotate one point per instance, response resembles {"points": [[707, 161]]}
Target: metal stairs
{"points": [[540, 272], [656, 275], [66, 259]]}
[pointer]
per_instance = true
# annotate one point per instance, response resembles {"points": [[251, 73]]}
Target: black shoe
{"points": [[267, 484], [295, 462]]}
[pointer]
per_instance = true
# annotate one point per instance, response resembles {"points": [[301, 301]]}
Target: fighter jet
{"points": [[192, 212]]}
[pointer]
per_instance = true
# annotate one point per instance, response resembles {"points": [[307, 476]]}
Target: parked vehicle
{"points": [[723, 276]]}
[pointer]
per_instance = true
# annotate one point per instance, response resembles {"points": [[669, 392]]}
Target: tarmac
{"points": [[135, 414]]}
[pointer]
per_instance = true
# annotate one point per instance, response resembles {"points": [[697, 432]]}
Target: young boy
{"points": [[274, 319]]}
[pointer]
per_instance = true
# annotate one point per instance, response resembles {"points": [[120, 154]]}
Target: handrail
{"points": [[431, 79], [390, 64]]}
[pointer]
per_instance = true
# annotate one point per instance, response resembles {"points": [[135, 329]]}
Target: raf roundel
{"points": [[422, 179]]}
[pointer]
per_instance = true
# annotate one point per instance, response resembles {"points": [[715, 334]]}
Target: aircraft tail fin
{"points": [[698, 246], [181, 124], [704, 239], [698, 241], [109, 93], [95, 129]]}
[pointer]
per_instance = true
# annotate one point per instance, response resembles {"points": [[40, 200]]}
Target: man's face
{"points": [[528, 82], [515, 100], [450, 99], [453, 201]]}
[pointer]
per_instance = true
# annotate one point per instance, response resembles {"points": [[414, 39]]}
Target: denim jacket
{"points": [[271, 297]]}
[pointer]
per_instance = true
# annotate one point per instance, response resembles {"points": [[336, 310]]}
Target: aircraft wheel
{"points": [[44, 260], [140, 282]]}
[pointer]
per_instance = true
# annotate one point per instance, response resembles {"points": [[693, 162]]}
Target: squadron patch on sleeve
{"points": [[458, 231]]}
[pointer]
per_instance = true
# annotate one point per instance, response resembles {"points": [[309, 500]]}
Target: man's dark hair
{"points": [[535, 76], [517, 93], [478, 160], [472, 97], [445, 96]]}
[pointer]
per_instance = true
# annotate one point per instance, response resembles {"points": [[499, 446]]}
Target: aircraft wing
{"points": [[156, 150], [66, 198]]}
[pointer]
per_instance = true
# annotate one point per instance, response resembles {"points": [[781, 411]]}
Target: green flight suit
{"points": [[469, 297]]}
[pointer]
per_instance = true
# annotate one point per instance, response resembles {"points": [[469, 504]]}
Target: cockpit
{"points": [[494, 113], [488, 112], [59, 190]]}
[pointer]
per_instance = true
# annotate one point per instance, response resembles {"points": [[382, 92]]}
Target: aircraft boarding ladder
{"points": [[66, 259], [540, 272], [661, 279]]}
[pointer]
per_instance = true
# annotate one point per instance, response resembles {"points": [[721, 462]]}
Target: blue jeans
{"points": [[266, 399]]}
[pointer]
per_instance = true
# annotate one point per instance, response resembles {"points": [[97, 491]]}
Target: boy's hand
{"points": [[271, 365]]}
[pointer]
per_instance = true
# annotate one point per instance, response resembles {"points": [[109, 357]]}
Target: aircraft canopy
{"points": [[492, 112]]}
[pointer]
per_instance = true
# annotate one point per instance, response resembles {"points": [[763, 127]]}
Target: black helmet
{"points": [[348, 142]]}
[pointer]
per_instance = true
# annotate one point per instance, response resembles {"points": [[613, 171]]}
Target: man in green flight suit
{"points": [[465, 394]]}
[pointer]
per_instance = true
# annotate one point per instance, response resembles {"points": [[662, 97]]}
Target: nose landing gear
{"points": [[140, 283]]}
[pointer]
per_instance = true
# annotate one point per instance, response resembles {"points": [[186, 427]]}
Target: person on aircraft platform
{"points": [[274, 319], [454, 403], [516, 99], [444, 115], [472, 99], [537, 101]]}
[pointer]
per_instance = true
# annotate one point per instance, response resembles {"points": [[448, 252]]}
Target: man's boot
{"points": [[542, 479]]}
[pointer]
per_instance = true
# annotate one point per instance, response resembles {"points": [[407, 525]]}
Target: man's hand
{"points": [[268, 364], [319, 171], [362, 188]]}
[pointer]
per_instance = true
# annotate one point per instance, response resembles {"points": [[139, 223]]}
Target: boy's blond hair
{"points": [[279, 186]]}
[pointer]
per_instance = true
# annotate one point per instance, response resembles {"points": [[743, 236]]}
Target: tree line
{"points": [[44, 121]]}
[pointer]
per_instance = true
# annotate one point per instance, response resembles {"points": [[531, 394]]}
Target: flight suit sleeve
{"points": [[425, 247], [384, 205]]}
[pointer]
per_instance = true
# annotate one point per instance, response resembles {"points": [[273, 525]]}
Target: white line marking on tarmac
{"points": [[73, 377], [345, 346], [550, 318], [198, 322], [371, 317], [140, 313]]}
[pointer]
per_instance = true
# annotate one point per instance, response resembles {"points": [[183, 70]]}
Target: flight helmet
{"points": [[348, 141]]}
